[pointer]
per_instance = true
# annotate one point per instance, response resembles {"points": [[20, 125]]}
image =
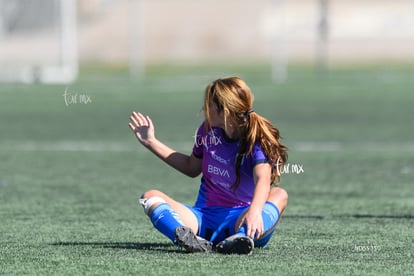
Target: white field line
{"points": [[116, 146], [352, 146], [75, 146]]}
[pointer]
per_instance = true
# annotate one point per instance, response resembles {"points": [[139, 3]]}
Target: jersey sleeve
{"points": [[258, 155], [198, 142]]}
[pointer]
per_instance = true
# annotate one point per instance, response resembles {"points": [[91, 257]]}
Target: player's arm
{"points": [[188, 165], [253, 217], [143, 129], [262, 175]]}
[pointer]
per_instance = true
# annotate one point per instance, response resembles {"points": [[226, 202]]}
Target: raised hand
{"points": [[142, 127]]}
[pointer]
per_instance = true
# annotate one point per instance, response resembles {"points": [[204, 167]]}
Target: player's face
{"points": [[216, 116]]}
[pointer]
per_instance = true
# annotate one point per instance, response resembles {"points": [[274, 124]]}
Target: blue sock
{"points": [[270, 216], [242, 230], [165, 220]]}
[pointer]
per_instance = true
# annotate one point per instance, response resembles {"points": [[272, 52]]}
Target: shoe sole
{"points": [[187, 239], [238, 245]]}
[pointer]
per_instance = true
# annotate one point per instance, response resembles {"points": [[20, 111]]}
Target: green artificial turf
{"points": [[70, 174]]}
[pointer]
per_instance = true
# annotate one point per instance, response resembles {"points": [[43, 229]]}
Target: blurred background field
{"points": [[71, 170], [48, 40]]}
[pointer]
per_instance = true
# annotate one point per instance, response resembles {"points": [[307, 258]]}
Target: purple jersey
{"points": [[218, 167]]}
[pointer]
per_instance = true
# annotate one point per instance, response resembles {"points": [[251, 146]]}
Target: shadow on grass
{"points": [[164, 247]]}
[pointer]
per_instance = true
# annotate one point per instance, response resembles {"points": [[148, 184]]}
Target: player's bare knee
{"points": [[278, 196], [151, 193], [283, 194], [151, 199]]}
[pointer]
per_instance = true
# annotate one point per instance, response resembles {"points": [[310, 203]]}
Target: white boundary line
{"points": [[74, 146], [116, 146], [352, 146]]}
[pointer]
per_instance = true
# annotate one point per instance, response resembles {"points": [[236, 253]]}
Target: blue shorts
{"points": [[217, 223]]}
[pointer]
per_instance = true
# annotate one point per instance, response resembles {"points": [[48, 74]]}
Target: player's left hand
{"points": [[254, 222]]}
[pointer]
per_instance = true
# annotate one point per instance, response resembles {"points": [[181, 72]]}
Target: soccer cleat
{"points": [[191, 243], [236, 244]]}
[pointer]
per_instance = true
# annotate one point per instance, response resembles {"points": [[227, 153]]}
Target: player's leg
{"points": [[167, 214], [278, 197], [174, 220], [231, 240], [271, 214], [272, 210]]}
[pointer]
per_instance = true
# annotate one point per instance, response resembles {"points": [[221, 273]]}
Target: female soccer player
{"points": [[239, 154]]}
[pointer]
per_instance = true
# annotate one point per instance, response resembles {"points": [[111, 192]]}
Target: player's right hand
{"points": [[143, 128]]}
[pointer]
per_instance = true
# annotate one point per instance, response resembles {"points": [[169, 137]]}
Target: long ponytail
{"points": [[234, 97]]}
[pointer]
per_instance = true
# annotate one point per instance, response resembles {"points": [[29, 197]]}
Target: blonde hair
{"points": [[233, 96]]}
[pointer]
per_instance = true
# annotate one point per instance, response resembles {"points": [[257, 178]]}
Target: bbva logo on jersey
{"points": [[217, 171]]}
